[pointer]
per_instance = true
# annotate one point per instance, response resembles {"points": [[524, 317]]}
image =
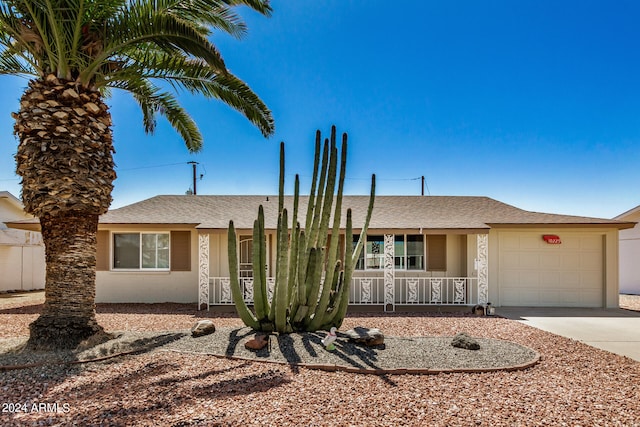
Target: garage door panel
{"points": [[549, 280], [569, 298], [591, 261], [529, 243], [593, 243], [529, 260], [511, 242], [510, 261], [570, 242], [550, 261], [591, 281], [511, 297], [591, 299], [570, 279], [570, 261], [534, 273]]}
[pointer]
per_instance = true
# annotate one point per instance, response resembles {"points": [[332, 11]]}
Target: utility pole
{"points": [[194, 164], [423, 185]]}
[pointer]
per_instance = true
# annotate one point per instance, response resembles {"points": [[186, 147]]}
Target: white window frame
{"points": [[245, 272], [140, 234], [405, 256]]}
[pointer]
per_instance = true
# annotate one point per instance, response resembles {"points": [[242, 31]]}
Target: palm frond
{"points": [[130, 45], [10, 64], [197, 77], [142, 25], [153, 101], [261, 6]]}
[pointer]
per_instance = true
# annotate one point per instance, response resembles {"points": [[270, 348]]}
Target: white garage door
{"points": [[535, 273]]}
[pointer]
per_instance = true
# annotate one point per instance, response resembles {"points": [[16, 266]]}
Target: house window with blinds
{"points": [[409, 252], [141, 251]]}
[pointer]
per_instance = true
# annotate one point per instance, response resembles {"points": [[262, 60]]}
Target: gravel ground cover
{"points": [[630, 302], [573, 384]]}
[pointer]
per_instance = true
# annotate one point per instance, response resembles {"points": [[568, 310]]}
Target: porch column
{"points": [[203, 270], [389, 273], [482, 265]]}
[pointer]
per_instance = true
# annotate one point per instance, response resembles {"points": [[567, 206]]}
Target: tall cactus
{"points": [[312, 279]]}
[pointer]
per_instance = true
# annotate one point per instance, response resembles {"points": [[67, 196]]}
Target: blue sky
{"points": [[533, 103]]}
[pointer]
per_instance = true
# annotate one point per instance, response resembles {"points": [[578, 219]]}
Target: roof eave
{"points": [[618, 225], [28, 224]]}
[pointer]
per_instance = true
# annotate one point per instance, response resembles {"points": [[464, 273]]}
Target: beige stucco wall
{"points": [[119, 286], [150, 286], [22, 268], [608, 237], [22, 263]]}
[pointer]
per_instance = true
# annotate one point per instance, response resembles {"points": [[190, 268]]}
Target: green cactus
{"points": [[302, 300]]}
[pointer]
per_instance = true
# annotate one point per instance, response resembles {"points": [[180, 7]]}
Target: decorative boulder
{"points": [[478, 310], [203, 327], [463, 340], [258, 343], [369, 337]]}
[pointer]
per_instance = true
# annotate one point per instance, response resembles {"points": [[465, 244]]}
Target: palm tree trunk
{"points": [[66, 164], [68, 316]]}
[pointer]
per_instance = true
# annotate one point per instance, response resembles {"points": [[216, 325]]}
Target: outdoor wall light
{"points": [[490, 310]]}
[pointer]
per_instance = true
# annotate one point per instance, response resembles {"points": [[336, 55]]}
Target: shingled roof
{"points": [[390, 212]]}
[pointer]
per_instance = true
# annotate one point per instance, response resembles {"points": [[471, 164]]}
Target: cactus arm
{"points": [[292, 291], [329, 190], [263, 261], [335, 231], [238, 298], [304, 281], [348, 271], [312, 294], [300, 298], [312, 233], [363, 233], [281, 180], [342, 300], [259, 276], [341, 296], [314, 179], [302, 269], [280, 302], [293, 254]]}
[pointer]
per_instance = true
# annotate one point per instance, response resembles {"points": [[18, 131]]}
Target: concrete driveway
{"points": [[614, 330]]}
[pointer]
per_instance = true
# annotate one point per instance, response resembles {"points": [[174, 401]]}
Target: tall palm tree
{"points": [[76, 52]]}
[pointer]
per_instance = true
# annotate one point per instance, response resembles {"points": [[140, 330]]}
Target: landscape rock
{"points": [[258, 343], [478, 310], [369, 337], [463, 340], [202, 328]]}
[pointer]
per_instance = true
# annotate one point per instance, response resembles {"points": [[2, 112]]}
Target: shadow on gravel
{"points": [[26, 309], [123, 344], [298, 348], [42, 371], [161, 385], [162, 308]]}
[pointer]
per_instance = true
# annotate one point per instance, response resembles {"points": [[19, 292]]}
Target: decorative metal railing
{"points": [[371, 290]]}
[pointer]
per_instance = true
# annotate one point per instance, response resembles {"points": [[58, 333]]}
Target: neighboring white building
{"points": [[630, 253], [22, 265]]}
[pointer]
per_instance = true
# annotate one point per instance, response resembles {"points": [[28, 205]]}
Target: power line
{"points": [[151, 166]]}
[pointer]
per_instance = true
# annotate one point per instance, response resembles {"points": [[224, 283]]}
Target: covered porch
{"points": [[380, 282]]}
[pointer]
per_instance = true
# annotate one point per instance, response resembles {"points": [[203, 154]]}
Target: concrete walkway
{"points": [[614, 330]]}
